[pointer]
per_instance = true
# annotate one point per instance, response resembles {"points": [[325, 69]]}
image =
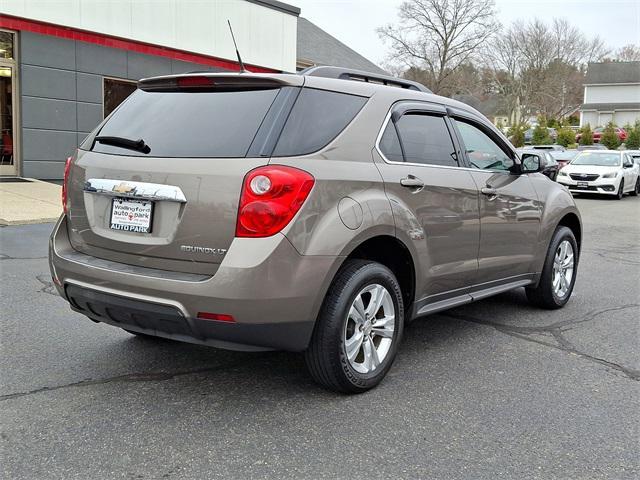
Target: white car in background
{"points": [[608, 172]]}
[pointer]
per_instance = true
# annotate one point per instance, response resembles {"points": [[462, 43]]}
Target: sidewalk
{"points": [[29, 202]]}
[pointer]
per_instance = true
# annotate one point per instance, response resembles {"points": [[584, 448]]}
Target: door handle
{"points": [[412, 182], [490, 192]]}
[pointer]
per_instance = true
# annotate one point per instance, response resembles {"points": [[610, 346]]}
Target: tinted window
{"points": [[317, 118], [390, 144], [189, 124], [425, 139], [483, 152]]}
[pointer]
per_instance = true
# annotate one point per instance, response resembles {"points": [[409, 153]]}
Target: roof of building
{"points": [[613, 72], [317, 47], [276, 5], [610, 107]]}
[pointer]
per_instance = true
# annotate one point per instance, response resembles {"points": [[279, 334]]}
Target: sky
{"points": [[354, 22]]}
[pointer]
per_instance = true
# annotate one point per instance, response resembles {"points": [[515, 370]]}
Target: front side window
{"points": [[425, 139], [482, 151]]}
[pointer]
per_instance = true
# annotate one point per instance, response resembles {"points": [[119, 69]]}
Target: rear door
{"points": [[434, 201], [509, 208], [172, 203]]}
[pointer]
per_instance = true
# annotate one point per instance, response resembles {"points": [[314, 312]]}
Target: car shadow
{"points": [[213, 372]]}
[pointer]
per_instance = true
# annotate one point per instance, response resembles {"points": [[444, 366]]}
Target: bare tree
{"points": [[438, 36], [628, 53], [541, 66]]}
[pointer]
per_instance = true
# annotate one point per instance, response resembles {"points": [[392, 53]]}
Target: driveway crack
{"points": [[556, 331], [127, 378]]}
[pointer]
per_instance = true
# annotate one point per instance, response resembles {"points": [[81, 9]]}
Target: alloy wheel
{"points": [[369, 329], [563, 264]]}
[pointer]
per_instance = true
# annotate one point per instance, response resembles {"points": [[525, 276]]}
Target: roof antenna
{"points": [[242, 69]]}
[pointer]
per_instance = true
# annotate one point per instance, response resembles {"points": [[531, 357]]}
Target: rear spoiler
{"points": [[217, 81]]}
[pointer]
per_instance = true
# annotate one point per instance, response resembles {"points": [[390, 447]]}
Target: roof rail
{"points": [[362, 76]]}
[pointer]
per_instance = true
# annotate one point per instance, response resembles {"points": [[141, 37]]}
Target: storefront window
{"points": [[6, 44], [7, 104], [115, 92], [6, 117]]}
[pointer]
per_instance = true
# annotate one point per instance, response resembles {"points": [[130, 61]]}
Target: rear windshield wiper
{"points": [[123, 142]]}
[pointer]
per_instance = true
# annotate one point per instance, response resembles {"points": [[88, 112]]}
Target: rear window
{"points": [[317, 117], [189, 124]]}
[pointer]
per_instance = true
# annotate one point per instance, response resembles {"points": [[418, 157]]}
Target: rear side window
{"points": [[390, 144], [425, 139], [317, 117], [189, 124]]}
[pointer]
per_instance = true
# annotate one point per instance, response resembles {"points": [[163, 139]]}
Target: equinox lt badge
{"points": [[207, 250]]}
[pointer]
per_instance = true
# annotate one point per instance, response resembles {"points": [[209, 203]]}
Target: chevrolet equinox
{"points": [[315, 212]]}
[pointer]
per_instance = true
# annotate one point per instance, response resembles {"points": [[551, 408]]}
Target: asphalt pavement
{"points": [[495, 389]]}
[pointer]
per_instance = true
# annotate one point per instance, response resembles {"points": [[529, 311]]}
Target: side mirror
{"points": [[531, 163], [628, 165]]}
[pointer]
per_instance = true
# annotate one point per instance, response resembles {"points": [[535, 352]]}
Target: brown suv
{"points": [[315, 212]]}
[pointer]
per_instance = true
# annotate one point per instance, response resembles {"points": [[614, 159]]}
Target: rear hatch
{"points": [[158, 184]]}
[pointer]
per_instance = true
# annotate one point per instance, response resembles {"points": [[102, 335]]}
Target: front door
{"points": [[8, 160], [434, 202], [509, 208]]}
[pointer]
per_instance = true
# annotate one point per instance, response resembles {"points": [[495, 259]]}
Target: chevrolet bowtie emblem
{"points": [[123, 187]]}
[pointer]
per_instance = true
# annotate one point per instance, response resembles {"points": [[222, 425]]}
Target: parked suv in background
{"points": [[314, 213]]}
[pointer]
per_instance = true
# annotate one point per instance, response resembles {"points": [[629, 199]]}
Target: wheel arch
{"points": [[572, 221], [396, 256]]}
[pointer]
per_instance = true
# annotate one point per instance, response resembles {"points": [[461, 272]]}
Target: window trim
{"points": [[428, 109]]}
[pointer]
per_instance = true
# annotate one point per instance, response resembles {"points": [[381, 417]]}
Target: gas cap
{"points": [[350, 213]]}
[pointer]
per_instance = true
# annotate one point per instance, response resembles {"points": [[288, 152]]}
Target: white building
{"points": [[611, 94]]}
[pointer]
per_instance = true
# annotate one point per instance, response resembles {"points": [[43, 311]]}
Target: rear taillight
{"points": [[271, 196], [65, 185]]}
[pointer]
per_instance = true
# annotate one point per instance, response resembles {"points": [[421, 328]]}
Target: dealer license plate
{"points": [[583, 184], [131, 215]]}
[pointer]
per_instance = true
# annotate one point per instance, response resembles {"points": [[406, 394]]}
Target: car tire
{"points": [[636, 191], [546, 294], [620, 193], [340, 324]]}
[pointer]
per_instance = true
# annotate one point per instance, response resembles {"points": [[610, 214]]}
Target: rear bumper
{"points": [[272, 292]]}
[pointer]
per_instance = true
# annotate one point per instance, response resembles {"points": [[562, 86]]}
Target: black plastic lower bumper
{"points": [[169, 322]]}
